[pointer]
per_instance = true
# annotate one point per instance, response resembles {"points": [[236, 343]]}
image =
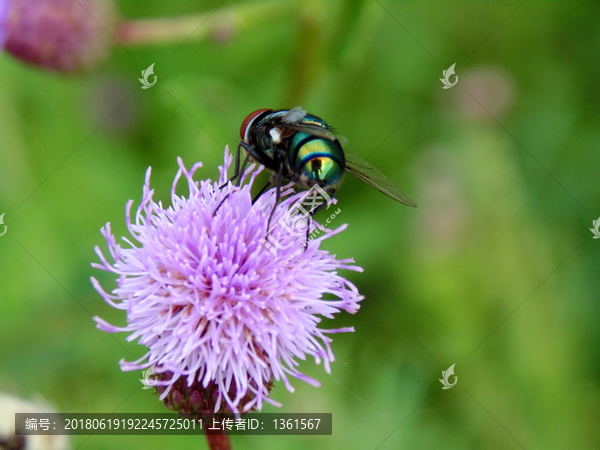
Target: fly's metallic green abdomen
{"points": [[316, 159]]}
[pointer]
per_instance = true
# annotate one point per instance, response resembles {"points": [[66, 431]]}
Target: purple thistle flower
{"points": [[3, 24], [212, 303]]}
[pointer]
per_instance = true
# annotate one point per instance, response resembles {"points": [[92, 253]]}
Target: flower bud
{"points": [[59, 35], [197, 400], [3, 26]]}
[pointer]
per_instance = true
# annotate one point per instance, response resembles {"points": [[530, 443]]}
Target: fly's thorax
{"points": [[316, 160]]}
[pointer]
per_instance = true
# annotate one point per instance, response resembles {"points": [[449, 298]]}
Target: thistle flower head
{"points": [[58, 35], [3, 25], [223, 315]]}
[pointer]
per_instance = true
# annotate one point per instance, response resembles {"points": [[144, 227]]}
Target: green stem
{"points": [[219, 22]]}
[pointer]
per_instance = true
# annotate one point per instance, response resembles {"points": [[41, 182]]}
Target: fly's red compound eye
{"points": [[248, 120]]}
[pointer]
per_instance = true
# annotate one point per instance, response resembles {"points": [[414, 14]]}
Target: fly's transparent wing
{"points": [[293, 116], [343, 140], [292, 120], [370, 175], [315, 130]]}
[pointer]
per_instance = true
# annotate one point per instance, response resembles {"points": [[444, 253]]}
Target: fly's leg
{"points": [[220, 203], [278, 177], [312, 213], [241, 173], [238, 174], [262, 191], [237, 162]]}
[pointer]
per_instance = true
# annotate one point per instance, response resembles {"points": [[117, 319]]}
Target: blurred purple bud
{"points": [[3, 26], [59, 35], [492, 87]]}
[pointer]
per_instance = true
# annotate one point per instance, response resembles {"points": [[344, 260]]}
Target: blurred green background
{"points": [[496, 271]]}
